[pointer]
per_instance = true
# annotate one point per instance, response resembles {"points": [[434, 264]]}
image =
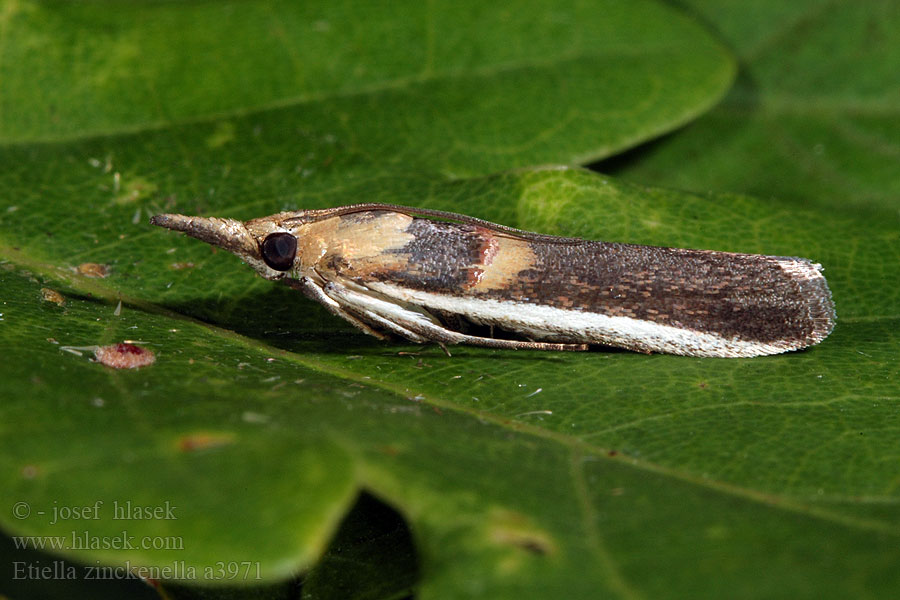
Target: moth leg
{"points": [[391, 315], [358, 315], [314, 292], [373, 317]]}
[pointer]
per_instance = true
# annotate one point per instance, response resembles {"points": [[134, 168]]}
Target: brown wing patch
{"points": [[444, 257]]}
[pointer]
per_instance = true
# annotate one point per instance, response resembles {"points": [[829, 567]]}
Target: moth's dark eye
{"points": [[278, 250]]}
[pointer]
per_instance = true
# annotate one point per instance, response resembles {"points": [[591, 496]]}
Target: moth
{"points": [[434, 276]]}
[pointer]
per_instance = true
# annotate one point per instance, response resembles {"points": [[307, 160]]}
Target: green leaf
{"points": [[458, 88], [814, 116], [520, 474], [518, 471]]}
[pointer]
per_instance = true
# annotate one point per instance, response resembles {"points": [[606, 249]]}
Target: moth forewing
{"points": [[396, 270]]}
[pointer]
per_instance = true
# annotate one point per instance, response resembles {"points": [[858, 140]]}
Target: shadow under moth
{"points": [[433, 276]]}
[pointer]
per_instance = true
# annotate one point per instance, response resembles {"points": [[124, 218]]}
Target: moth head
{"points": [[263, 244]]}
